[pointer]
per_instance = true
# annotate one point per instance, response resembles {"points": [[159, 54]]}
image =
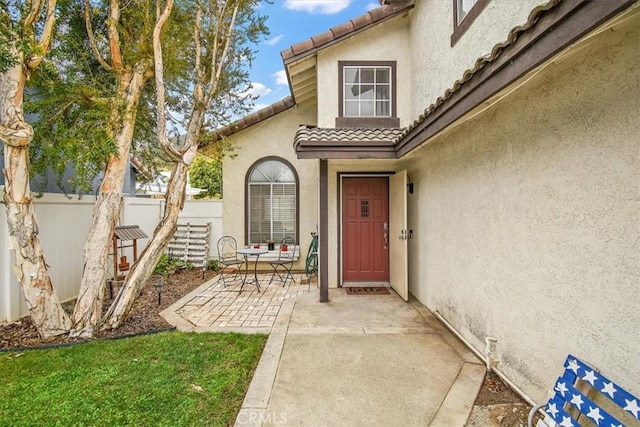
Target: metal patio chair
{"points": [[228, 257], [283, 265]]}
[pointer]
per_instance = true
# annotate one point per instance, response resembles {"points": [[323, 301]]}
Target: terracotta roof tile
{"points": [[253, 118], [346, 135], [351, 27]]}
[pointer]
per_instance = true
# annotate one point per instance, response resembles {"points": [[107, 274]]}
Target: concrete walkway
{"points": [[357, 360]]}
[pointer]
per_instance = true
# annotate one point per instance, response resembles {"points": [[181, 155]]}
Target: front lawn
{"points": [[166, 379]]}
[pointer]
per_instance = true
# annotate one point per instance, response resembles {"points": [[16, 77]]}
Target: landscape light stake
{"points": [[159, 285]]}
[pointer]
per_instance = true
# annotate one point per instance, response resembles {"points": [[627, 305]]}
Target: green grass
{"points": [[167, 379]]}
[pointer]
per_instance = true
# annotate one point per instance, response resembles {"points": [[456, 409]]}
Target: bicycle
{"points": [[311, 264]]}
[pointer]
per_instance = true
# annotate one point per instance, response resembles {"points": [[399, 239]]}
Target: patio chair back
{"points": [[227, 247], [287, 250], [282, 267]]}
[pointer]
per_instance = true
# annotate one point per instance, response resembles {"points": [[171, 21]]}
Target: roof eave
{"points": [[558, 27], [307, 50], [250, 120], [342, 152]]}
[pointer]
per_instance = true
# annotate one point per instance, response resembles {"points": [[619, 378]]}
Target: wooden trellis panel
{"points": [[190, 243]]}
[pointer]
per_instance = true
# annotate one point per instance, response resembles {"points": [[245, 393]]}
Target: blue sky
{"points": [[290, 22]]}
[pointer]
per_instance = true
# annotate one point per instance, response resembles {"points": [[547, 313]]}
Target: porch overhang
{"points": [[345, 143]]}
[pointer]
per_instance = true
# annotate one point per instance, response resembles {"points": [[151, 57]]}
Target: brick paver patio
{"points": [[217, 306]]}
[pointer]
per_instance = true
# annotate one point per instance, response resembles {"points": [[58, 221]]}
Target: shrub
{"points": [[169, 265], [213, 265]]}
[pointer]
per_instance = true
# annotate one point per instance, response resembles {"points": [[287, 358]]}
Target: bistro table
{"points": [[246, 253]]}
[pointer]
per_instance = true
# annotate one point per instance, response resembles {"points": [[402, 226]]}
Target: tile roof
{"points": [[345, 135], [534, 16], [345, 143], [252, 119], [346, 29]]}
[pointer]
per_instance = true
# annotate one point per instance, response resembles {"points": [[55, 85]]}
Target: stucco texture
{"points": [[272, 137], [526, 219], [435, 63], [388, 41]]}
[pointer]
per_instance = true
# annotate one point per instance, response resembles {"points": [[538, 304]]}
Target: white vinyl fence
{"points": [[63, 226]]}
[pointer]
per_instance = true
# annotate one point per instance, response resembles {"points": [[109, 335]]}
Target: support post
{"points": [[323, 256]]}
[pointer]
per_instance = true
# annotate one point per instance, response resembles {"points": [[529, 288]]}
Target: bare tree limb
{"points": [[114, 37], [141, 167], [46, 38], [32, 16], [92, 37], [159, 72], [218, 66]]}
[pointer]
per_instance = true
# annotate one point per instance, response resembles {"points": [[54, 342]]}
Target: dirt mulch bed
{"points": [[144, 316], [497, 405]]}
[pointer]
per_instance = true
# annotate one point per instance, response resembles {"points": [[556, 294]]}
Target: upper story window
{"points": [[272, 201], [367, 91], [367, 94], [464, 13]]}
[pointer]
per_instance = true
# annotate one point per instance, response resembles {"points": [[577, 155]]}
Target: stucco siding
{"points": [[526, 219], [436, 64], [388, 41], [273, 137]]}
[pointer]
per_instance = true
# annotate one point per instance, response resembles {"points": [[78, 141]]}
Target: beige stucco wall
{"points": [[435, 63], [387, 41], [526, 220], [272, 137]]}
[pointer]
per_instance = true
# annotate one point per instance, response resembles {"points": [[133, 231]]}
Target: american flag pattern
{"points": [[566, 393]]}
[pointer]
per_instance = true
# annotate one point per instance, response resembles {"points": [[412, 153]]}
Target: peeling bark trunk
{"points": [[106, 212], [145, 265], [203, 93], [30, 266]]}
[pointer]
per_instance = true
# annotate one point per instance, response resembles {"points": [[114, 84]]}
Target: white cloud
{"points": [[281, 78], [325, 7], [274, 40], [257, 89]]}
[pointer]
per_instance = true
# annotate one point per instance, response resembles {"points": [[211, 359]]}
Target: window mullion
{"points": [[271, 211]]}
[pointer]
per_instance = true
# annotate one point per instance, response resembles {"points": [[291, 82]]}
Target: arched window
{"points": [[272, 201]]}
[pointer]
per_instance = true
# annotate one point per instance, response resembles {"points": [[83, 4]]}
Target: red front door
{"points": [[365, 215]]}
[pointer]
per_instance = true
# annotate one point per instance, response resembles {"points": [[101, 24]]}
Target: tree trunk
{"points": [[106, 212], [145, 265], [30, 266]]}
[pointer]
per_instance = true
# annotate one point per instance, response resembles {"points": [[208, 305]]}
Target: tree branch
{"points": [[114, 37], [32, 17], [92, 38], [43, 47], [141, 167], [215, 77], [159, 73]]}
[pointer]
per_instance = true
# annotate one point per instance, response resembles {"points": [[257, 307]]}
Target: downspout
{"points": [[487, 358]]}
